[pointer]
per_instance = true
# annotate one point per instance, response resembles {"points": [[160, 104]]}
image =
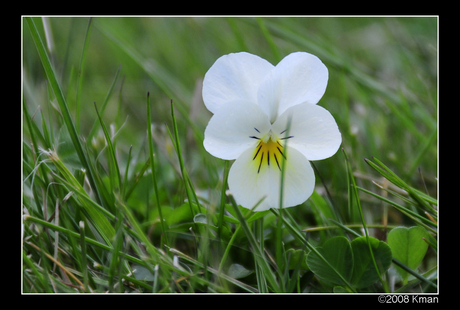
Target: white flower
{"points": [[252, 102]]}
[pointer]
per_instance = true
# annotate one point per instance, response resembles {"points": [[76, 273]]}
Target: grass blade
{"points": [[83, 255], [258, 254], [162, 77], [80, 75], [358, 203], [269, 38], [297, 235], [104, 104], [111, 151], [185, 177], [223, 197], [393, 178], [137, 179], [78, 236], [125, 178], [235, 282], [96, 213], [415, 216], [51, 76], [152, 167]]}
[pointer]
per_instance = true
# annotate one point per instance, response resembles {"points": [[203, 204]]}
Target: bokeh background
{"points": [[382, 88]]}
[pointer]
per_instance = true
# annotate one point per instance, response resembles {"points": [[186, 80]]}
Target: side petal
{"points": [[234, 76], [230, 129], [299, 77], [249, 185], [313, 130]]}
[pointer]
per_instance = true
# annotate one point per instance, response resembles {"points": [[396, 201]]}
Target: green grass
{"points": [[119, 194]]}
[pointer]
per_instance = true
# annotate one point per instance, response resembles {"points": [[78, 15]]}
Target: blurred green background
{"points": [[382, 86]]}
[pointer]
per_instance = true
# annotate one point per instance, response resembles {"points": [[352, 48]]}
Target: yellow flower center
{"points": [[268, 153]]}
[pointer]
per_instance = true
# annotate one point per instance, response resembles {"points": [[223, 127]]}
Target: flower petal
{"points": [[249, 186], [297, 78], [229, 130], [313, 129], [234, 76]]}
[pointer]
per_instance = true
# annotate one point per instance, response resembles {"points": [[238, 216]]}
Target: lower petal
{"points": [[249, 184]]}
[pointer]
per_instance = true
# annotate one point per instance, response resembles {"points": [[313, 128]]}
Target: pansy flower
{"points": [[265, 118]]}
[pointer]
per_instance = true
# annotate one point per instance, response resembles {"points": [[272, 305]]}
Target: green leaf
{"points": [[180, 214], [201, 218], [323, 206], [238, 271], [408, 247], [294, 259], [364, 273], [337, 251], [340, 290], [352, 260], [142, 273]]}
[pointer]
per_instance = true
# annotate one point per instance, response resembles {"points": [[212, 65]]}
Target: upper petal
{"points": [[313, 129], [229, 130], [249, 184], [299, 77], [234, 76]]}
